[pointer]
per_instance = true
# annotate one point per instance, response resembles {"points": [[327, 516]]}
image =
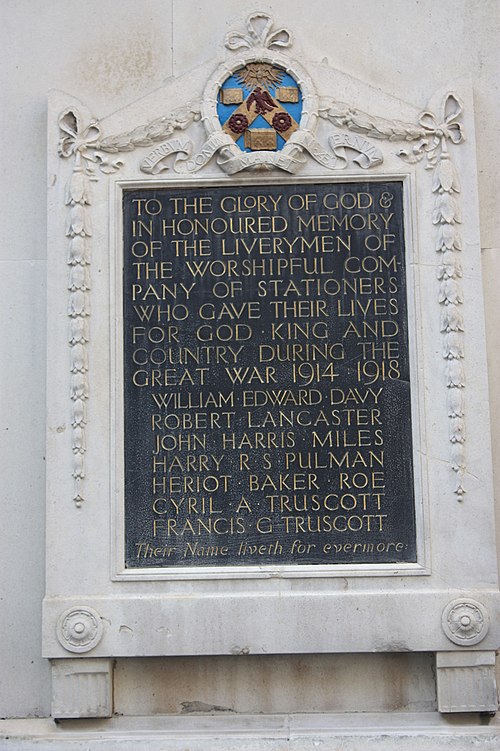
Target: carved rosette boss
{"points": [[465, 622], [79, 629]]}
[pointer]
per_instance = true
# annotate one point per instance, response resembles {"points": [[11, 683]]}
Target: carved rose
{"points": [[282, 121], [238, 123]]}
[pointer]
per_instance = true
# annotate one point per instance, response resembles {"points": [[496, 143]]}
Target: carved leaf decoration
{"points": [[445, 177], [156, 130], [138, 136], [78, 440], [451, 319], [79, 142], [344, 116], [453, 347], [77, 251], [360, 123], [78, 473], [448, 258], [79, 413], [184, 116], [455, 403], [78, 278], [446, 210], [79, 357], [412, 132], [79, 387], [78, 190], [122, 143], [455, 375], [147, 135], [450, 293], [457, 429], [332, 109], [78, 222], [458, 460], [78, 331], [446, 237], [78, 304], [449, 270], [446, 216]]}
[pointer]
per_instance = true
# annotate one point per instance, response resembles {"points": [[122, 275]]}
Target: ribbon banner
{"points": [[154, 162], [288, 159], [317, 151], [216, 142], [185, 162], [369, 155]]}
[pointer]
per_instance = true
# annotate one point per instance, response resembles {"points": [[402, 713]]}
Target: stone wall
{"points": [[109, 53]]}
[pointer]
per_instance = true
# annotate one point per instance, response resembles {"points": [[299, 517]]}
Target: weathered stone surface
{"points": [[89, 52]]}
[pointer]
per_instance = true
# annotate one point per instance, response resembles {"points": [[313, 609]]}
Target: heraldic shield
{"points": [[259, 111], [259, 106]]}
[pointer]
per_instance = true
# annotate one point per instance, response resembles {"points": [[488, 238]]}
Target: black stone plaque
{"points": [[266, 376]]}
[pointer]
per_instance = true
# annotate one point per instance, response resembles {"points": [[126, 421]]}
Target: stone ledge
{"points": [[233, 732]]}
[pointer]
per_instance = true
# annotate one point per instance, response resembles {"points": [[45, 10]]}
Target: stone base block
{"points": [[466, 682], [82, 688]]}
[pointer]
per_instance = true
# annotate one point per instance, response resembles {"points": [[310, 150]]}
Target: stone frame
{"points": [[91, 611], [421, 567]]}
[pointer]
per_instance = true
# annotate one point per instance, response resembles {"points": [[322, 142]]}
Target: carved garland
{"points": [[431, 139], [82, 143], [79, 141], [446, 217], [78, 231]]}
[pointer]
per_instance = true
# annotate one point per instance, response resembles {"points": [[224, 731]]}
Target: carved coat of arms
{"points": [[260, 107], [260, 110]]}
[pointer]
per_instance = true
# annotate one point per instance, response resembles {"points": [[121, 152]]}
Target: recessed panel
{"points": [[267, 414]]}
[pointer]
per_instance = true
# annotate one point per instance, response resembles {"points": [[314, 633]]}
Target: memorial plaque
{"points": [[267, 394], [267, 415]]}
